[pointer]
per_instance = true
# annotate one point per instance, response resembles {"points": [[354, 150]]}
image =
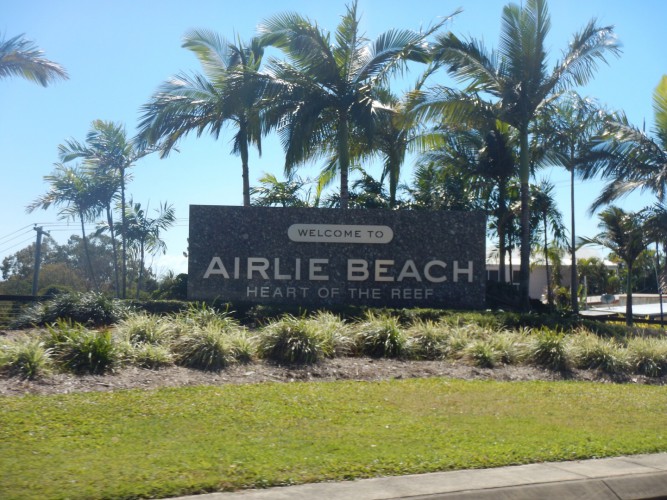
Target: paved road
{"points": [[629, 477]]}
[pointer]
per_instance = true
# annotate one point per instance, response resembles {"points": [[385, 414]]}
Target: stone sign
{"points": [[325, 257]]}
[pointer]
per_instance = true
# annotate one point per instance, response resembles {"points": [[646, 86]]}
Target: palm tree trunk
{"points": [[141, 268], [550, 297], [574, 285], [114, 248], [628, 298], [123, 227], [87, 252], [502, 234], [245, 167], [343, 159], [524, 173]]}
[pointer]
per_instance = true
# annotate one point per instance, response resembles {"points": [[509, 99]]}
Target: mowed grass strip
{"points": [[141, 444]]}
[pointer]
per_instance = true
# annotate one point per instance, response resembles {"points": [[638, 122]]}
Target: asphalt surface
{"points": [[628, 477]]}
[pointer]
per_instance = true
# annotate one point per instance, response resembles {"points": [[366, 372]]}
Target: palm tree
{"points": [[483, 154], [226, 92], [441, 187], [545, 210], [622, 233], [515, 76], [110, 153], [630, 157], [655, 228], [275, 193], [569, 128], [323, 94], [144, 232], [71, 188], [21, 57]]}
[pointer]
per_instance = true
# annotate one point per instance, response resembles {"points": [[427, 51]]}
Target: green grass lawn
{"points": [[135, 444]]}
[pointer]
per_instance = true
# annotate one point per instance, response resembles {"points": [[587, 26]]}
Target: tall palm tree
{"points": [[482, 153], [144, 232], [227, 91], [516, 77], [569, 127], [623, 234], [630, 157], [71, 189], [109, 152], [323, 93], [21, 57]]}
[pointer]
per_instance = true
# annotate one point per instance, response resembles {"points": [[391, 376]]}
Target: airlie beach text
{"points": [[357, 270], [321, 257]]}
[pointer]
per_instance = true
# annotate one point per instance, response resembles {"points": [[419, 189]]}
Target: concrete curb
{"points": [[629, 477]]}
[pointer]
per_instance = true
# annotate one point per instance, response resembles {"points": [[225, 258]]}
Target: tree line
{"points": [[329, 98]]}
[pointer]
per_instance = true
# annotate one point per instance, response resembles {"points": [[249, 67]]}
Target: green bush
{"points": [[549, 349], [144, 328], [204, 348], [25, 357], [381, 336], [482, 353], [648, 355], [593, 352], [333, 333], [92, 309], [82, 350], [149, 356], [427, 340], [291, 340]]}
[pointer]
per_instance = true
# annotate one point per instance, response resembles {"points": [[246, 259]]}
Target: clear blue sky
{"points": [[118, 52]]}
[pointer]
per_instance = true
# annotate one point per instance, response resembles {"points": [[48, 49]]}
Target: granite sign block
{"points": [[326, 257]]}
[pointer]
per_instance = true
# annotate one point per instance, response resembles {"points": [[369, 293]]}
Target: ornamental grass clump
{"points": [[605, 354], [381, 336], [648, 356], [291, 340], [81, 350], [333, 332], [549, 349], [25, 357], [428, 340], [510, 345], [204, 348], [151, 356], [144, 328], [481, 353], [90, 308]]}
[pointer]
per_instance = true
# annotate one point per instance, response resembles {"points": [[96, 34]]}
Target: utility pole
{"points": [[38, 258]]}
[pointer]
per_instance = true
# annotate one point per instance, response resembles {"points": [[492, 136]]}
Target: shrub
{"points": [[648, 355], [291, 340], [144, 328], [549, 349], [482, 353], [150, 355], [25, 357], [204, 348], [81, 350], [381, 337], [593, 352], [510, 346], [93, 309], [333, 332], [427, 340]]}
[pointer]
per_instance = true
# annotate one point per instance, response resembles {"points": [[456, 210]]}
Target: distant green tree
{"points": [[71, 189], [144, 232], [623, 234]]}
